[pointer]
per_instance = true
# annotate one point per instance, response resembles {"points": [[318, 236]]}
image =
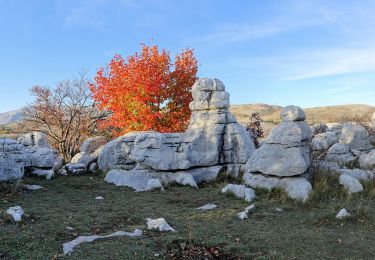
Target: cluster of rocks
{"points": [[30, 153], [345, 149], [86, 159], [214, 143], [283, 161]]}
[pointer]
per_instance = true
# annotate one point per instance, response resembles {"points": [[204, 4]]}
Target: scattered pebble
{"points": [[99, 198], [69, 246], [160, 224], [33, 187], [69, 228], [240, 191], [343, 213], [16, 213], [207, 206], [279, 210], [244, 214]]}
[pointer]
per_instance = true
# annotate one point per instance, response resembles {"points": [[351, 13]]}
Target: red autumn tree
{"points": [[146, 91]]}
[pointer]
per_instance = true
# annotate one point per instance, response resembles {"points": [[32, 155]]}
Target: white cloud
{"points": [[90, 13]]}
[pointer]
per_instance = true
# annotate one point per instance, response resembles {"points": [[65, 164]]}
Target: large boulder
{"points": [[286, 152], [213, 138], [292, 113], [324, 141], [367, 161], [340, 154], [355, 136], [34, 139], [11, 160]]}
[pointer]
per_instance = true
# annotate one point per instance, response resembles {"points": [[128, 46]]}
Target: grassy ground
{"points": [[307, 231]]}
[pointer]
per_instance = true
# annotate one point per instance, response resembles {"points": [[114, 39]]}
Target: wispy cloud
{"points": [[90, 13]]}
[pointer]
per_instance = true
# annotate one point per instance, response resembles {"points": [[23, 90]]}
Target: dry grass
{"points": [[327, 114]]}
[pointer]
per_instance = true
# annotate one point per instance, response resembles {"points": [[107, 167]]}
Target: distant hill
{"points": [[327, 114], [10, 117]]}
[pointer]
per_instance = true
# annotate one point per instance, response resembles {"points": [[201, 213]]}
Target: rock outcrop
{"points": [[86, 159], [11, 160], [30, 153], [284, 157], [213, 143]]}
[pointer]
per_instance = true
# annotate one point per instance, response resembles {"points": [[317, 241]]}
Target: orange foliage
{"points": [[146, 91]]}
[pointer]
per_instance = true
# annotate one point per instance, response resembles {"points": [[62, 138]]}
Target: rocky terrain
{"points": [[301, 164]]}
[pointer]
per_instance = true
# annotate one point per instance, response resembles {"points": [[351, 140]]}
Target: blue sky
{"points": [[306, 53]]}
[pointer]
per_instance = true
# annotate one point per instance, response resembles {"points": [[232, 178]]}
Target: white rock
{"points": [[350, 183], [240, 191], [207, 206], [340, 154], [33, 187], [356, 137], [159, 224], [69, 228], [292, 113], [343, 213], [69, 246], [154, 184], [48, 174], [358, 174], [16, 212], [245, 214], [35, 139], [279, 209], [324, 141], [99, 198], [367, 161], [297, 188], [11, 160]]}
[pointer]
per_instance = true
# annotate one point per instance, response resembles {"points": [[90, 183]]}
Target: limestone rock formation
{"points": [[285, 153], [355, 136], [86, 159], [351, 184], [213, 143], [12, 161]]}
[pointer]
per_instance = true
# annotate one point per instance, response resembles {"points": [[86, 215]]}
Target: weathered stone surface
{"points": [[76, 168], [240, 191], [90, 145], [334, 127], [274, 159], [355, 136], [11, 160], [213, 141], [35, 139], [160, 224], [292, 113], [154, 184], [297, 188], [324, 141], [16, 212], [115, 154], [47, 173], [358, 174], [208, 206], [350, 183], [286, 151], [343, 213], [340, 154], [68, 247], [367, 161], [245, 214]]}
